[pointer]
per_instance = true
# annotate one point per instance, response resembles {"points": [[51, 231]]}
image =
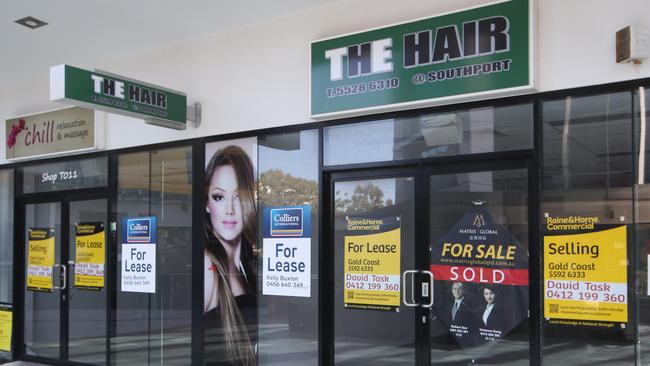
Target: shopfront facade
{"points": [[491, 228]]}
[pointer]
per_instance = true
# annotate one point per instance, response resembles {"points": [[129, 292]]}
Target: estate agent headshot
{"points": [[459, 312]]}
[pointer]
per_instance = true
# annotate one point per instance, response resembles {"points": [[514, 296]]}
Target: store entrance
{"points": [[65, 279], [430, 265]]}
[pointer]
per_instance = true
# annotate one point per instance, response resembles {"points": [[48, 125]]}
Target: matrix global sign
{"points": [[457, 56], [117, 94]]}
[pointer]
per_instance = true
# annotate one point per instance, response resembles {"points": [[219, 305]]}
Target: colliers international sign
{"points": [[457, 56], [117, 94]]}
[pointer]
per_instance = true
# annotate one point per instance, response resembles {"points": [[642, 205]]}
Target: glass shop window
{"points": [[154, 328], [288, 185], [64, 175], [460, 132], [6, 257], [587, 214]]}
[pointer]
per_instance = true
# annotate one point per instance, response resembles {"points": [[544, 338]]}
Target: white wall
{"points": [[258, 76]]}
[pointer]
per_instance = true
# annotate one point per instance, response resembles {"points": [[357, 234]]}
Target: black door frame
{"points": [[421, 171], [64, 198], [327, 254]]}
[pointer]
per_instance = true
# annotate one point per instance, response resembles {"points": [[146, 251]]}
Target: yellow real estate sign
{"points": [[585, 277], [372, 263], [40, 259], [90, 255], [6, 318]]}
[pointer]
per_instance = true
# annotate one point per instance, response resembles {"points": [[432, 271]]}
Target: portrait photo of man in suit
{"points": [[460, 310]]}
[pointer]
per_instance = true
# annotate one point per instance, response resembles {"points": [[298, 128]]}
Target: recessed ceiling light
{"points": [[31, 22]]}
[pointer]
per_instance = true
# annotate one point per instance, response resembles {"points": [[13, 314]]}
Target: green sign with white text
{"points": [[457, 56], [119, 95]]}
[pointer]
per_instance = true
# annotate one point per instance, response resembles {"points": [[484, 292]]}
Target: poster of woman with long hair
{"points": [[230, 240]]}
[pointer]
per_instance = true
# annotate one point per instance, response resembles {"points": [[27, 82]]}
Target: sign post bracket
{"points": [[194, 114]]}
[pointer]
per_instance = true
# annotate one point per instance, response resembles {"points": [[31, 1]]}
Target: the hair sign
{"points": [[479, 50]]}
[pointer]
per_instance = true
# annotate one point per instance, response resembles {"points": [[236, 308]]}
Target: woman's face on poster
{"points": [[489, 295], [224, 205]]}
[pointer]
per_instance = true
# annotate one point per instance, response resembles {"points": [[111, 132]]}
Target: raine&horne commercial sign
{"points": [[117, 94], [464, 55]]}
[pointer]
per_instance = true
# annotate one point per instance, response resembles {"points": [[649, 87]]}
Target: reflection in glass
{"points": [[642, 215], [288, 326], [6, 235], [470, 131], [42, 308], [87, 307], [69, 174], [372, 326], [588, 172], [6, 242], [156, 328]]}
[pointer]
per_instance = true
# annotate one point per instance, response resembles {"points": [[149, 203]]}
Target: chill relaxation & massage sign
{"points": [[585, 272], [468, 53], [66, 130]]}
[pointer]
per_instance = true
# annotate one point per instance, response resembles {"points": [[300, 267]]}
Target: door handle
{"points": [[426, 288], [64, 274], [429, 289], [404, 277]]}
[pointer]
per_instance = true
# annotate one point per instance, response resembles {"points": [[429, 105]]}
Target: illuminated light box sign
{"points": [[482, 51], [117, 94], [287, 251]]}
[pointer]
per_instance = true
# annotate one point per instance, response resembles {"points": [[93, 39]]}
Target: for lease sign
{"points": [[139, 254]]}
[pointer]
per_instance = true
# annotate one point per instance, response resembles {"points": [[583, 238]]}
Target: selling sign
{"points": [[90, 255], [585, 272], [463, 54], [481, 279], [120, 95], [372, 248], [287, 251], [139, 254], [40, 259], [6, 318]]}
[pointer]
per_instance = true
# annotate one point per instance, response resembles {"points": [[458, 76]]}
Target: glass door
{"points": [[65, 277], [44, 278], [87, 277], [478, 249], [431, 266], [374, 245]]}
